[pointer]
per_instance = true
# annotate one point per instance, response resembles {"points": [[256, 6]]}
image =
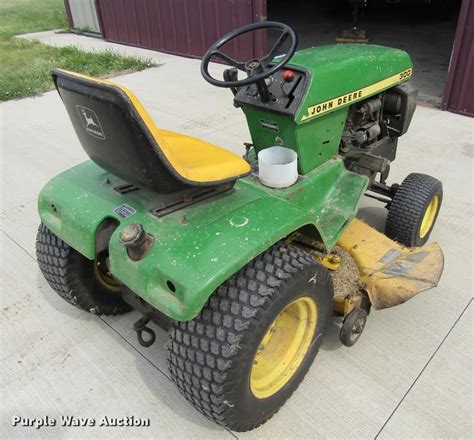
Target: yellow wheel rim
{"points": [[429, 217], [283, 347], [103, 274]]}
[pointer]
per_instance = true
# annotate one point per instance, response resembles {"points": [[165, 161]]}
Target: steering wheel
{"points": [[257, 69]]}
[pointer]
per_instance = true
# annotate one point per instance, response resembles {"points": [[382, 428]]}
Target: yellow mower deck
{"points": [[390, 273]]}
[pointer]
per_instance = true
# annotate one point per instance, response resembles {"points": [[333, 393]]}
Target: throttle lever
{"points": [[231, 75]]}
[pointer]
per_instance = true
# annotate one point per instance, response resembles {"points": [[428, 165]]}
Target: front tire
{"points": [[352, 327], [84, 283], [414, 209], [249, 348]]}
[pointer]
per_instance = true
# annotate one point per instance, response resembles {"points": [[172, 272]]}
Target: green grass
{"points": [[25, 66]]}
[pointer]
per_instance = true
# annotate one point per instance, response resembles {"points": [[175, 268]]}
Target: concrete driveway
{"points": [[410, 375]]}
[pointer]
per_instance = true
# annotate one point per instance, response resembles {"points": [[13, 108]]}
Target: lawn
{"points": [[25, 65]]}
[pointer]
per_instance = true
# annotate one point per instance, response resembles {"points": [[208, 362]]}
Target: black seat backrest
{"points": [[114, 134]]}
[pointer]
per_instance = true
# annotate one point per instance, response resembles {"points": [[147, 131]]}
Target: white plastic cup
{"points": [[277, 167]]}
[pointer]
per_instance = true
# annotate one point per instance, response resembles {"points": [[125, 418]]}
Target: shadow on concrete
{"points": [[331, 340], [374, 216]]}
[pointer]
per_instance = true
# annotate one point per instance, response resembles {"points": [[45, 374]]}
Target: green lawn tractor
{"points": [[243, 274]]}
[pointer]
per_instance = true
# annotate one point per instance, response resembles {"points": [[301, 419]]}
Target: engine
{"points": [[363, 125], [370, 136]]}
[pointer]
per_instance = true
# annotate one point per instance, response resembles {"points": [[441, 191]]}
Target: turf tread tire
{"points": [[72, 277], [408, 206], [205, 359]]}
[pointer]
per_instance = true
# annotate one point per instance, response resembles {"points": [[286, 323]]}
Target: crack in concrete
{"points": [[423, 369]]}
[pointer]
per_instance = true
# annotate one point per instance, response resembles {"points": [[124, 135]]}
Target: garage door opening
{"points": [[423, 28]]}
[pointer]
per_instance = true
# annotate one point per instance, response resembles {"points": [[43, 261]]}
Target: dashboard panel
{"points": [[286, 96]]}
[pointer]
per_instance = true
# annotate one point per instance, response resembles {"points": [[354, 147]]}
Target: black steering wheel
{"points": [[257, 69]]}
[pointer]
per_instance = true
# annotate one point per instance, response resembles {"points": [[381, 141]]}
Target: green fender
{"points": [[197, 248]]}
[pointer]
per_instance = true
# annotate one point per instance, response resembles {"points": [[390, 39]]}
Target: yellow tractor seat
{"points": [[119, 135], [201, 161]]}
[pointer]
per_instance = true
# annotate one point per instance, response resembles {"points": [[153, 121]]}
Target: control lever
{"points": [[287, 77], [248, 147], [231, 75]]}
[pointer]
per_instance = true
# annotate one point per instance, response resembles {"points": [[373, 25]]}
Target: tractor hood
{"points": [[308, 114], [343, 73]]}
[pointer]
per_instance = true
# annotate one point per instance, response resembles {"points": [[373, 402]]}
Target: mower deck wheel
{"points": [[86, 284], [249, 348], [352, 327], [414, 209]]}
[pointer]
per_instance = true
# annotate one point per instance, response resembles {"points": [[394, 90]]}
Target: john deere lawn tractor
{"points": [[245, 259]]}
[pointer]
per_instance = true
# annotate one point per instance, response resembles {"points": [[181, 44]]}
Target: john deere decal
{"points": [[332, 104]]}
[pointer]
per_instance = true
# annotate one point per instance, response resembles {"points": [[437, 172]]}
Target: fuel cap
{"points": [[133, 235]]}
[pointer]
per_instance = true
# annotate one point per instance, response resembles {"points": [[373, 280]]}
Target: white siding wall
{"points": [[84, 14]]}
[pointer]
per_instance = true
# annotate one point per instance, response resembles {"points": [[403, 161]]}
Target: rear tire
{"points": [[220, 359], [75, 278], [414, 209]]}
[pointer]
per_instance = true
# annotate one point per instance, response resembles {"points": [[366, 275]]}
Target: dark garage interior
{"points": [[438, 34], [423, 28]]}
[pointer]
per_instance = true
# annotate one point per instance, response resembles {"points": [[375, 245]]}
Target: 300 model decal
{"points": [[332, 104]]}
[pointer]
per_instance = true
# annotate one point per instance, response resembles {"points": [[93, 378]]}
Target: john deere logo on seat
{"points": [[90, 121]]}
